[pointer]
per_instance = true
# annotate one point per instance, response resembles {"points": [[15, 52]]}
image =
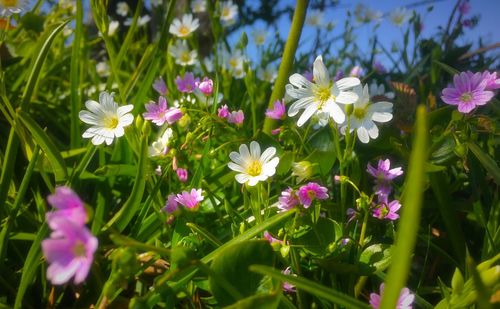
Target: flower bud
{"points": [[303, 170]]}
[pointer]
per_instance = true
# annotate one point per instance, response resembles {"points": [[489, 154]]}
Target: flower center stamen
{"points": [[183, 30], [323, 94], [79, 249], [359, 113], [254, 168], [111, 122], [9, 3], [466, 97]]}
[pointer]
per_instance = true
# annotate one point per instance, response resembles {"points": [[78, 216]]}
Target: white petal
{"points": [[335, 112], [267, 154], [271, 166], [244, 153], [126, 120], [236, 167], [346, 97], [241, 178], [122, 110], [253, 181], [298, 93], [119, 131], [298, 105], [98, 139], [93, 106], [299, 81], [308, 113], [381, 117], [363, 135], [109, 140], [347, 82], [320, 72], [255, 149], [373, 131], [236, 157], [88, 117]]}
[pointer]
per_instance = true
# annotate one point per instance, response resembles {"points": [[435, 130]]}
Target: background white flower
{"points": [[122, 8], [182, 54], [251, 165], [185, 26], [228, 12], [198, 6], [107, 119], [160, 146]]}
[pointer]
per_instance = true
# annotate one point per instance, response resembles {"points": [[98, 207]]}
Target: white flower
{"points": [[183, 28], [235, 63], [320, 96], [400, 16], [107, 119], [364, 114], [379, 90], [198, 6], [251, 165], [113, 26], [269, 73], [259, 37], [160, 146], [315, 18], [183, 56], [122, 8], [102, 69], [142, 21], [9, 7], [228, 12]]}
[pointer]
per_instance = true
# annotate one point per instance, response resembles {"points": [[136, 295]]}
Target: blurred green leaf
{"points": [[488, 163]]}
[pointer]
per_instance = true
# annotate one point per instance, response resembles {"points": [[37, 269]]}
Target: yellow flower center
{"points": [[183, 30], [111, 122], [323, 94], [225, 12], [233, 62], [185, 57], [359, 113], [79, 249], [9, 3], [466, 97], [254, 168]]}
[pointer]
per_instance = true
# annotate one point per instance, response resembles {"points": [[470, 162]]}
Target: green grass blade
{"points": [[48, 147], [410, 217], [74, 77], [488, 163], [312, 287], [206, 234]]}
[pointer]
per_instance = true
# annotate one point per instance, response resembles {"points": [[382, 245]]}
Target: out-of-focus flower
{"points": [[259, 37], [190, 200], [364, 14], [365, 114], [276, 131], [160, 86], [108, 120], [309, 76], [102, 69], [278, 111], [271, 239], [112, 27], [492, 82], [206, 86], [141, 22], [158, 170], [182, 174], [405, 299], [182, 28], [468, 91], [302, 170], [338, 75], [379, 90], [321, 96], [251, 165], [379, 67], [356, 71], [351, 214], [236, 117], [400, 16], [464, 7], [198, 6], [182, 54], [159, 113], [234, 63], [187, 83], [268, 74], [387, 210], [228, 12], [171, 205], [9, 7], [288, 199], [68, 206], [223, 112], [122, 8], [315, 18], [467, 23], [310, 192], [288, 287], [69, 251], [383, 176], [160, 146]]}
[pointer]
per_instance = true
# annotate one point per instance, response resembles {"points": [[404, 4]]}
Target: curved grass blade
{"points": [[311, 287], [206, 234], [489, 164], [74, 77], [410, 217]]}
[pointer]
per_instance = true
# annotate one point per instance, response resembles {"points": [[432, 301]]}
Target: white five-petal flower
{"points": [[322, 96], [106, 118], [182, 54], [251, 165], [228, 12], [365, 114], [184, 27]]}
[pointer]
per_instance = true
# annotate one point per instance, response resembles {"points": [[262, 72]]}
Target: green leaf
{"points": [[48, 147], [232, 264], [447, 68], [311, 287], [316, 240], [377, 257], [488, 163], [266, 301]]}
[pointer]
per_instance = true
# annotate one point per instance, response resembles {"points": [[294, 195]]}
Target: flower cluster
{"points": [[189, 199], [304, 196], [70, 248], [383, 177], [235, 117]]}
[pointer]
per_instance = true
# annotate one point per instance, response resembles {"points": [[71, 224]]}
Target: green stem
{"points": [[287, 60], [74, 78]]}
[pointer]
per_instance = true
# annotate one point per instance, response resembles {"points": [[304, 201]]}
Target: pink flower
{"points": [[69, 251], [171, 205], [236, 117], [309, 76], [464, 7], [271, 239], [379, 67], [159, 113], [182, 174], [404, 302], [160, 86], [288, 287], [387, 210], [187, 83], [190, 200], [288, 200], [276, 131], [206, 86], [468, 91], [383, 176], [339, 75], [311, 191], [223, 112], [492, 82], [467, 23], [356, 71], [68, 206], [278, 112]]}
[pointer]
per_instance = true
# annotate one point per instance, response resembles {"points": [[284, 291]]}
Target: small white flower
{"points": [[234, 63], [183, 28], [107, 119], [322, 96], [400, 16], [379, 90], [251, 165], [9, 7], [102, 69], [364, 114], [269, 73], [228, 12], [198, 6], [142, 21], [259, 37], [113, 26], [315, 18], [122, 9], [160, 146], [182, 54]]}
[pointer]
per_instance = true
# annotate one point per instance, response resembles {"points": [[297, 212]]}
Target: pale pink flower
{"points": [[492, 82], [310, 192], [206, 86], [404, 302], [182, 174], [159, 113], [464, 7], [236, 117], [278, 111], [171, 204], [288, 199], [160, 86], [68, 206], [383, 176], [190, 200], [379, 67], [387, 210], [187, 83], [276, 131], [356, 71], [223, 112], [468, 91], [288, 287], [271, 239]]}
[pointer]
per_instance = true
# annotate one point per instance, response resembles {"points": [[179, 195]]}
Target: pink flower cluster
{"points": [[236, 117], [70, 248], [304, 196], [189, 199], [188, 84], [160, 113], [383, 177]]}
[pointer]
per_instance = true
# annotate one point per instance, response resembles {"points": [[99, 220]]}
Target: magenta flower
{"points": [[383, 176], [190, 200], [351, 214], [356, 71], [271, 239], [405, 299], [182, 174], [223, 112], [379, 67], [288, 287], [288, 200], [278, 111], [159, 113], [276, 131], [69, 251], [206, 86], [492, 82], [467, 23], [171, 204], [68, 205], [160, 86], [236, 117], [387, 210], [187, 83], [464, 7], [339, 75], [311, 191], [468, 92]]}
